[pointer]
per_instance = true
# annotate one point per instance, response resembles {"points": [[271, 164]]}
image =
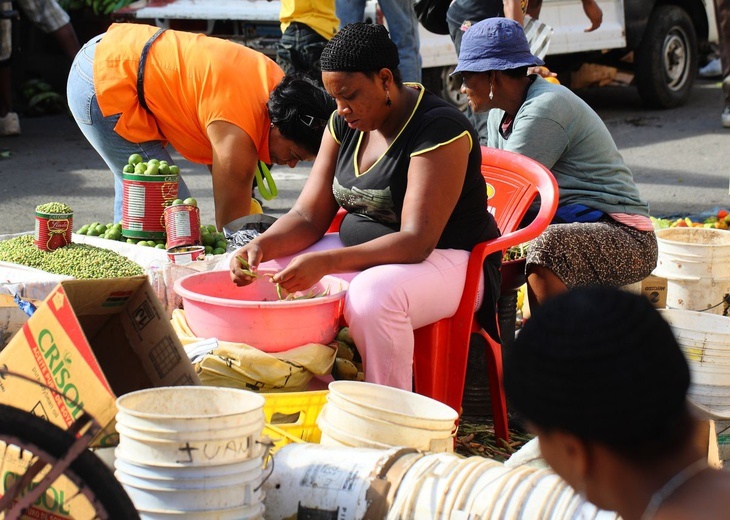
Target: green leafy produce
{"points": [[77, 260], [54, 208]]}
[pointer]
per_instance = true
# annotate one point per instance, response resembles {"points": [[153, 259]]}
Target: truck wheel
{"points": [[437, 80], [666, 60]]}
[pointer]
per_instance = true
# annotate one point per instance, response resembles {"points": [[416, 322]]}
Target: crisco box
{"points": [[655, 288], [93, 340]]}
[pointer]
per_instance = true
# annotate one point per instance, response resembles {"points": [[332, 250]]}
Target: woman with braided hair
{"points": [[405, 165], [598, 375]]}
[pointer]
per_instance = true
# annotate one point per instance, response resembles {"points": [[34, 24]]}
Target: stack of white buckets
{"points": [[361, 469], [191, 452], [696, 264]]}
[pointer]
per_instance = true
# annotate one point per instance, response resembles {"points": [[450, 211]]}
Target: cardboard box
{"points": [[655, 288], [93, 340]]}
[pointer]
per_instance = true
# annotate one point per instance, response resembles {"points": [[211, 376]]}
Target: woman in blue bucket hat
{"points": [[601, 234]]}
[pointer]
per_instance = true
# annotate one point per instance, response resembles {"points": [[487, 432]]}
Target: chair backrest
{"points": [[513, 183]]}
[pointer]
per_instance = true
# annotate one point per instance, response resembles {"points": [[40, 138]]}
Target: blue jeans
{"points": [[99, 130], [299, 51], [402, 25]]}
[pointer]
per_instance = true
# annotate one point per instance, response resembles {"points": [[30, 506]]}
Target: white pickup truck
{"points": [[655, 41]]}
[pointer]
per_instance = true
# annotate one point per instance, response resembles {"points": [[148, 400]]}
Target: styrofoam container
{"points": [[215, 307]]}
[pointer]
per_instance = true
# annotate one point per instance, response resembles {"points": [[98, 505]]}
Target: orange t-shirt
{"points": [[190, 80]]}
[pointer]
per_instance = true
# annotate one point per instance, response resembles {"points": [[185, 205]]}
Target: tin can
{"points": [[145, 198], [52, 230], [182, 225], [185, 254]]}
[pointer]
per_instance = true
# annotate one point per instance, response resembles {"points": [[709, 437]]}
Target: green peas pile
{"points": [[54, 208], [76, 260]]}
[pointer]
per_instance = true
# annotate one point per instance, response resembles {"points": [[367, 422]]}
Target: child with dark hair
{"points": [[137, 88], [598, 375], [406, 167]]}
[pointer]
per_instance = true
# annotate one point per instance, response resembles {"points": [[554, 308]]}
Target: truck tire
{"points": [[666, 60], [437, 80]]}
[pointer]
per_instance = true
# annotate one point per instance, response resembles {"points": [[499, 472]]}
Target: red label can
{"points": [[144, 200], [53, 230], [182, 225]]}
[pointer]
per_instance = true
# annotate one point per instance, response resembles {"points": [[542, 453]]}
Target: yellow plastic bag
{"points": [[239, 365]]}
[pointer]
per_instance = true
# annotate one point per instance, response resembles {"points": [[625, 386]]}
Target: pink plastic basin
{"points": [[216, 307]]}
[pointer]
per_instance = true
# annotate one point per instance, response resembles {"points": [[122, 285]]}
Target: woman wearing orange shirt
{"points": [[136, 89]]}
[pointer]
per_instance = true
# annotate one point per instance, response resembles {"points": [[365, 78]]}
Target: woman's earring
{"points": [[491, 91], [388, 101]]}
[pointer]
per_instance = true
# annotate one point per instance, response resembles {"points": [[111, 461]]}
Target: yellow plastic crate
{"points": [[292, 416]]}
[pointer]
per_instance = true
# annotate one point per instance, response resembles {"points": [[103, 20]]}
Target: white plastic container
{"points": [[696, 264], [370, 415]]}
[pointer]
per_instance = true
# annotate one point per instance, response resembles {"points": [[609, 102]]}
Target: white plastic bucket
{"points": [[136, 447], [156, 495], [370, 415], [393, 405], [340, 427], [255, 512], [189, 408], [189, 425], [194, 477], [705, 341], [330, 481], [696, 264]]}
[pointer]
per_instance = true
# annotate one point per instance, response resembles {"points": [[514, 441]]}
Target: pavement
{"points": [[679, 159]]}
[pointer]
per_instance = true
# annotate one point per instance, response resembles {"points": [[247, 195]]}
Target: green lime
{"points": [[131, 241], [190, 201], [212, 228], [128, 168], [139, 169], [219, 251], [114, 234], [208, 250], [135, 158], [101, 229], [83, 229], [92, 232], [208, 239], [154, 161], [176, 202], [160, 246], [143, 243], [220, 244], [174, 169], [164, 169], [152, 169]]}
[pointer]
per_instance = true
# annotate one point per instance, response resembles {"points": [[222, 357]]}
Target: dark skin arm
{"points": [[429, 201], [234, 162]]}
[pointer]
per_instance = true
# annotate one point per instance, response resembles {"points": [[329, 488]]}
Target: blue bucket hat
{"points": [[495, 44]]}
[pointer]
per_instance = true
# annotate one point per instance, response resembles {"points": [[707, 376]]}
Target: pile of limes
{"points": [[214, 241], [137, 165]]}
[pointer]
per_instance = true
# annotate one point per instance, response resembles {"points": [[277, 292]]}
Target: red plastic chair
{"points": [[441, 349]]}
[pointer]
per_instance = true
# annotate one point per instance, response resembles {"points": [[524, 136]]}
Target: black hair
{"points": [[602, 364], [360, 47], [300, 109]]}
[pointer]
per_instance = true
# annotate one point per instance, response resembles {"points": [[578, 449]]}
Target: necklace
{"points": [[674, 483]]}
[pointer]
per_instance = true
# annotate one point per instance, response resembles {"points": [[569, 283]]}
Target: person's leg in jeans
{"points": [[478, 120], [99, 130], [403, 28], [299, 51], [350, 11], [722, 14]]}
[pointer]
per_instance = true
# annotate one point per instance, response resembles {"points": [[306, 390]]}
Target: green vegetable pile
{"points": [[77, 260], [54, 208]]}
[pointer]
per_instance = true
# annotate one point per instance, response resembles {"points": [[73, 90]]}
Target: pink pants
{"points": [[385, 303]]}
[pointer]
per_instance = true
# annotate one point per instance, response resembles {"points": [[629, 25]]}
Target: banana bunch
{"points": [[40, 99], [99, 6], [348, 364]]}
